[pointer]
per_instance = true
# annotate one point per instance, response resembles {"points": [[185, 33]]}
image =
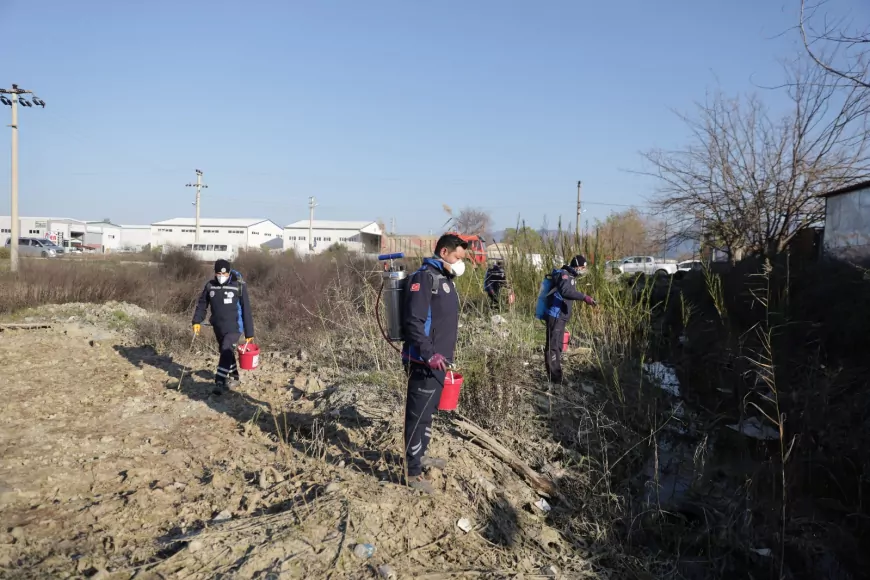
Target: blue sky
{"points": [[380, 109]]}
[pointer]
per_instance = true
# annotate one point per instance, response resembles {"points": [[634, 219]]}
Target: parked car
{"points": [[70, 248], [647, 265], [37, 248], [690, 266], [612, 267]]}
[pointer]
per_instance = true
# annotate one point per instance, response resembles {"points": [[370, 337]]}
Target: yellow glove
{"points": [[196, 328], [249, 340]]}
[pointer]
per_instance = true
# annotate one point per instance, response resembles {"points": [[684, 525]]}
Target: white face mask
{"points": [[223, 278], [458, 268]]}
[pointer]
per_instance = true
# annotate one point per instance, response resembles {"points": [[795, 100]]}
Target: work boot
{"points": [[220, 387], [434, 463], [420, 483]]}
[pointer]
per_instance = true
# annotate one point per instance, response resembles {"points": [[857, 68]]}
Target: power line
{"points": [[292, 202]]}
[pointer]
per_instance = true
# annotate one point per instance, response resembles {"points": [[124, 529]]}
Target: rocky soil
{"points": [[112, 467]]}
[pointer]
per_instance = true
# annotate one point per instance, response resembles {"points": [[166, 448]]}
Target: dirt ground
{"points": [[109, 468]]}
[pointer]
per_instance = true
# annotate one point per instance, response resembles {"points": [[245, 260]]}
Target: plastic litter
{"points": [[542, 505], [364, 551]]}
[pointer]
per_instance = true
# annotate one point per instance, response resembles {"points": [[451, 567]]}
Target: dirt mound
{"points": [[112, 468]]}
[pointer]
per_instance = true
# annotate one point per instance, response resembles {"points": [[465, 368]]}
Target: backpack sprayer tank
{"points": [[394, 283]]}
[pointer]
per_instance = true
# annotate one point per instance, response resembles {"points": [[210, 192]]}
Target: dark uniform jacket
{"points": [[494, 279], [431, 313], [230, 308], [561, 301]]}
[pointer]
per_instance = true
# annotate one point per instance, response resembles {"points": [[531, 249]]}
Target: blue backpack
{"points": [[547, 290]]}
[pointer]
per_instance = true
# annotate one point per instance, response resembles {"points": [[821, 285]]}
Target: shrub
{"points": [[181, 265]]}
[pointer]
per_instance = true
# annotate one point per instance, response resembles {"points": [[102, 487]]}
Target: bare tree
{"points": [[627, 233], [838, 47], [472, 221], [751, 180]]}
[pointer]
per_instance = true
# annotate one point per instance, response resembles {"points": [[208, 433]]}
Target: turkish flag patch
{"points": [[415, 287], [564, 276]]}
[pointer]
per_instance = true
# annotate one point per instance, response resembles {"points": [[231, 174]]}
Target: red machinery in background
{"points": [[476, 252]]}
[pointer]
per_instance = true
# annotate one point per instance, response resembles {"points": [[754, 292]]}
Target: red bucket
{"points": [[249, 356], [450, 394], [565, 340]]}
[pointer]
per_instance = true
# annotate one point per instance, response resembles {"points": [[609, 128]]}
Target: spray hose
{"points": [[387, 338], [410, 360]]}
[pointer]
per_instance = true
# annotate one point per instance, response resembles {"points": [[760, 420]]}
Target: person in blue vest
{"points": [[431, 326], [559, 305], [227, 296]]}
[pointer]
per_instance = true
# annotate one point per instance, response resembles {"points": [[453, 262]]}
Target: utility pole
{"points": [[579, 188], [311, 206], [13, 102], [199, 185]]}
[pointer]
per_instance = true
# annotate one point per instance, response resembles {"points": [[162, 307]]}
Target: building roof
{"points": [[214, 222], [848, 189], [330, 225], [102, 223], [274, 244], [48, 219], [135, 227]]}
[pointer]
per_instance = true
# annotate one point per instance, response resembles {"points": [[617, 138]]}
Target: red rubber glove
{"points": [[437, 362], [590, 301]]}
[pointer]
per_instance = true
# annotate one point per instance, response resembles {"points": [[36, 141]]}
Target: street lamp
{"points": [[12, 101]]}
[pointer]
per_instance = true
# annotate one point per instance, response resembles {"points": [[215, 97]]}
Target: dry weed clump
{"points": [[167, 334], [292, 299], [495, 359]]}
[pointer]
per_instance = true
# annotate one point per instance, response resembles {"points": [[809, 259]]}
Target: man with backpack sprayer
{"points": [[431, 327], [227, 296], [555, 301]]}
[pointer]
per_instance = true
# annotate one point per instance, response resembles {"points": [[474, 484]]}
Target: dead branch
{"points": [[539, 483], [24, 325]]}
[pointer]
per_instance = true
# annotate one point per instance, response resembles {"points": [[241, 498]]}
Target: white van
{"points": [[210, 252]]}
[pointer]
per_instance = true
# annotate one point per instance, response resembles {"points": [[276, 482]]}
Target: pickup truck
{"points": [[647, 265]]}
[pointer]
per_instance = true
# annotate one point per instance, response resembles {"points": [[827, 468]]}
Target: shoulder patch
{"points": [[415, 287], [564, 276]]}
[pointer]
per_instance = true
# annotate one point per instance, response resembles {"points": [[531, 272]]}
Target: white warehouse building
{"points": [[61, 231], [235, 232], [363, 237], [135, 238], [102, 236]]}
